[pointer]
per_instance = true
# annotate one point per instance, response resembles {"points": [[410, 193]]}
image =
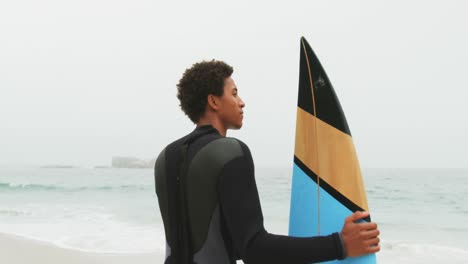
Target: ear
{"points": [[212, 102]]}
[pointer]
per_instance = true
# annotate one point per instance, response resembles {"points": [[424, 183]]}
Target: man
{"points": [[207, 192]]}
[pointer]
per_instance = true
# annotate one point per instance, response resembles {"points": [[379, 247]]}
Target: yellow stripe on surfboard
{"points": [[339, 166]]}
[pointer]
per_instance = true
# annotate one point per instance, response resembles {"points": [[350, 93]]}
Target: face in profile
{"points": [[231, 106]]}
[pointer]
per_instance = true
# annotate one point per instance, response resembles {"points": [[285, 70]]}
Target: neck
{"points": [[216, 123]]}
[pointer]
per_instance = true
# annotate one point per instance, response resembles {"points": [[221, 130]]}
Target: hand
{"points": [[360, 238]]}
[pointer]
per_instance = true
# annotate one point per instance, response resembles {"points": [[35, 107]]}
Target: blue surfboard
{"points": [[327, 185]]}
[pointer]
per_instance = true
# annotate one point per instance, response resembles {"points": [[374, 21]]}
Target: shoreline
{"points": [[20, 250]]}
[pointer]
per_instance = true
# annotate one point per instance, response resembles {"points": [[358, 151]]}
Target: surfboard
{"points": [[327, 185]]}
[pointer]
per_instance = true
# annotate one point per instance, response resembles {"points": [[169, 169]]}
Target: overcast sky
{"points": [[82, 81]]}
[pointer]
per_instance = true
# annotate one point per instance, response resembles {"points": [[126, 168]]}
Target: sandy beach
{"points": [[19, 250]]}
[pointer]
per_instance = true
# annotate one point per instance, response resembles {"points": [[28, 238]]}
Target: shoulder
{"points": [[245, 149], [160, 163], [168, 151], [233, 147], [221, 151], [230, 144]]}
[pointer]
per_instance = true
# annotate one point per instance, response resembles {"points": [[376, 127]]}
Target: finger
{"points": [[373, 249], [367, 226], [349, 219], [372, 242], [370, 234], [358, 215]]}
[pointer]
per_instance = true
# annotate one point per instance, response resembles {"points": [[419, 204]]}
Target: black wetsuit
{"points": [[211, 209]]}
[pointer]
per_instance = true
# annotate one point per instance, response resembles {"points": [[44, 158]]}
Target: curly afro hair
{"points": [[197, 82]]}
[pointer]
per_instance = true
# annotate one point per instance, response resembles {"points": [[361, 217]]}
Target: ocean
{"points": [[422, 213]]}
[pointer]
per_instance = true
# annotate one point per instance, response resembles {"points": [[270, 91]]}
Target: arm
{"points": [[242, 214]]}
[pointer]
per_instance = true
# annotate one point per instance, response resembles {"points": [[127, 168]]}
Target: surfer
{"points": [[207, 192]]}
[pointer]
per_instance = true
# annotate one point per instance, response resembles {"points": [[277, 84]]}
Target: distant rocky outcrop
{"points": [[131, 162]]}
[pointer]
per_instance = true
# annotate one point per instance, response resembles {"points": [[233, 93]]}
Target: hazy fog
{"points": [[82, 81]]}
